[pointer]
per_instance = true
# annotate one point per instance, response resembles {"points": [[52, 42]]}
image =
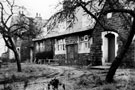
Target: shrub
{"points": [[44, 55], [87, 80], [7, 88], [97, 79], [84, 81]]}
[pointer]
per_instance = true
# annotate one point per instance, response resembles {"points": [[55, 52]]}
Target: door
{"points": [[72, 54], [111, 47]]}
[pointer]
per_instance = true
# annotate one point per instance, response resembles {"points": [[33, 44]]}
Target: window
{"points": [[64, 47], [84, 44], [109, 15], [37, 47], [41, 46], [60, 47]]}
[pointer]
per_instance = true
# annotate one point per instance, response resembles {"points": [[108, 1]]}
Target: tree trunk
{"points": [[19, 69], [118, 60], [17, 58]]}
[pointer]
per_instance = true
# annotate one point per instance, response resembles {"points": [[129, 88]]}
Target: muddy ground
{"points": [[37, 77]]}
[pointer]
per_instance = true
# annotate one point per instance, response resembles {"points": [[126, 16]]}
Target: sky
{"points": [[45, 8]]}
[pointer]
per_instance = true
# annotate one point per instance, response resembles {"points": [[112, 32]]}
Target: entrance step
{"points": [[106, 67], [108, 64]]}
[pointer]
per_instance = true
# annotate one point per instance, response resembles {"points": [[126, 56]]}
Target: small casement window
{"points": [[60, 47], [37, 46], [41, 46], [109, 15], [63, 47], [84, 44]]}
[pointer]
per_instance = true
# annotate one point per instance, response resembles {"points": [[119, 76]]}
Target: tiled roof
{"points": [[56, 34]]}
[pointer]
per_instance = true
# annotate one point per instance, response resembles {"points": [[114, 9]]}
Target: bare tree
{"points": [[67, 13], [8, 31], [114, 7]]}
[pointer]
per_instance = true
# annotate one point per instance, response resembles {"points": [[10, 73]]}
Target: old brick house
{"points": [[78, 46]]}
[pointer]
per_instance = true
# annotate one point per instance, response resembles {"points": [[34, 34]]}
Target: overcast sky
{"points": [[45, 7]]}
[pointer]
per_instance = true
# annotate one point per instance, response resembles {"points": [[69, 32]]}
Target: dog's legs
{"points": [[48, 86], [63, 86]]}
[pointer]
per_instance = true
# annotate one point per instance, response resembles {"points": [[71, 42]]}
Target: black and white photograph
{"points": [[67, 44]]}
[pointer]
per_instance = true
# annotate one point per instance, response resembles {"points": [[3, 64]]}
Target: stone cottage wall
{"points": [[118, 24], [129, 58], [96, 53], [121, 25], [82, 58]]}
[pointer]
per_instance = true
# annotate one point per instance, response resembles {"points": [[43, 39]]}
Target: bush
{"points": [[84, 81], [7, 88], [131, 84], [5, 59], [12, 60], [87, 80], [44, 55]]}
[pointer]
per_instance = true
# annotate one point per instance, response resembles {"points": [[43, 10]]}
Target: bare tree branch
{"points": [[17, 29], [11, 10], [2, 18], [88, 12]]}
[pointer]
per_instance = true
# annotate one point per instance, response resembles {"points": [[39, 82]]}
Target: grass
{"points": [[9, 74], [90, 80]]}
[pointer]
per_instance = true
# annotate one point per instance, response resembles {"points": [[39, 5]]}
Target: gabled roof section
{"points": [[83, 21]]}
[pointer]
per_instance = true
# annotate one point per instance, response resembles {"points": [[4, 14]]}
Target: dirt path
{"points": [[64, 74], [36, 77]]}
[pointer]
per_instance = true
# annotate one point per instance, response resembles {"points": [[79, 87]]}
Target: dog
{"points": [[55, 83]]}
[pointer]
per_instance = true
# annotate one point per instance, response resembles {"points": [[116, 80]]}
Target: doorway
{"points": [[111, 47], [72, 54]]}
